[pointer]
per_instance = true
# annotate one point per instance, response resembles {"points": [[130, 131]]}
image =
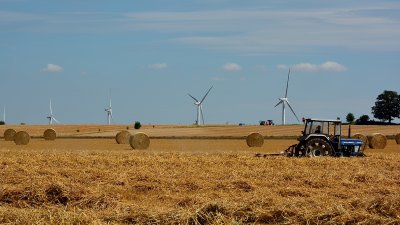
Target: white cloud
{"points": [[250, 30], [52, 68], [328, 66], [283, 67], [306, 67], [232, 67], [333, 66], [158, 66]]}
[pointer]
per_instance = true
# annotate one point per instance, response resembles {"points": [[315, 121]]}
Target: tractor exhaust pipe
{"points": [[349, 130]]}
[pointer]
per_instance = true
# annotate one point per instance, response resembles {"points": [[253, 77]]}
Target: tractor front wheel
{"points": [[318, 147], [300, 150]]}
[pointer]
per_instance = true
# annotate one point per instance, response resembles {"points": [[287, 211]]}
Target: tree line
{"points": [[386, 109]]}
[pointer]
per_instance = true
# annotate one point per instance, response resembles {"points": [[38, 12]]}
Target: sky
{"points": [[149, 55]]}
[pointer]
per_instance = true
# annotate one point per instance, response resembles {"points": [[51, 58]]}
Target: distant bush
{"points": [[2, 123], [137, 125]]}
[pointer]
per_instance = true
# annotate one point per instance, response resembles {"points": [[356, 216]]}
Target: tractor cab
{"points": [[325, 129], [322, 137], [322, 127]]}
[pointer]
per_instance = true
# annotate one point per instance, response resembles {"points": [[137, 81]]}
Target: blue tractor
{"points": [[324, 138]]}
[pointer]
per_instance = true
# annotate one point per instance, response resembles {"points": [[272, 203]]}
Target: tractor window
{"points": [[317, 127], [338, 130], [322, 127]]}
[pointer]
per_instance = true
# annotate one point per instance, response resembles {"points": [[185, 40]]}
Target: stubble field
{"points": [[192, 181]]}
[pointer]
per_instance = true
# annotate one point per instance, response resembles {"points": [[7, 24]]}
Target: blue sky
{"points": [[151, 53]]}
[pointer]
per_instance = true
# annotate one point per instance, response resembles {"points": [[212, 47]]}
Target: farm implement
{"points": [[322, 138]]}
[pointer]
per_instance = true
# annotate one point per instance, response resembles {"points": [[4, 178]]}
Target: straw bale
{"points": [[139, 141], [21, 138], [362, 138], [50, 134], [377, 141], [397, 138], [9, 134], [255, 140], [123, 137]]}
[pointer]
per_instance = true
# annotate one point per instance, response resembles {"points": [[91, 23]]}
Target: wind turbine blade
{"points": [[206, 94], [109, 96], [280, 102], [56, 120], [193, 98], [51, 110], [287, 84], [292, 110], [201, 111]]}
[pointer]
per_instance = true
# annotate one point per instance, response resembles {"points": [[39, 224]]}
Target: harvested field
{"points": [[193, 181], [189, 131]]}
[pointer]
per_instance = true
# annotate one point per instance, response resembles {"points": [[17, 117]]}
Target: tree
{"points": [[364, 119], [387, 106], [2, 122], [137, 125], [350, 118]]}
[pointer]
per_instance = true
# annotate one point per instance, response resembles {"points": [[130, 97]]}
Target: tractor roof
{"points": [[324, 120]]}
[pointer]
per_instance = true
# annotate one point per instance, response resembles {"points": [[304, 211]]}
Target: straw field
{"points": [[192, 181], [189, 131]]}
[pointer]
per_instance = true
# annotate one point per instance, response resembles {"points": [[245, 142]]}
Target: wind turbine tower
{"points": [[285, 101], [109, 112], [51, 117], [199, 105]]}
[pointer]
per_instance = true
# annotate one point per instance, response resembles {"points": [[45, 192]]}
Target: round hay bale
{"points": [[21, 138], [377, 141], [50, 135], [255, 140], [362, 138], [9, 134], [123, 137], [397, 138], [139, 141]]}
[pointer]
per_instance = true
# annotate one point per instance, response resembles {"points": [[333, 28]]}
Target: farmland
{"points": [[192, 180], [190, 131]]}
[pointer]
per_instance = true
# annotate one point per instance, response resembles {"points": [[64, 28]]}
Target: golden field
{"points": [[190, 131], [192, 181]]}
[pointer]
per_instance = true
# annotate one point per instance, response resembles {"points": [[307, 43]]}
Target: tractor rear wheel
{"points": [[317, 147]]}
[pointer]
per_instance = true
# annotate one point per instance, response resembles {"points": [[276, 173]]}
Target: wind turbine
{"points": [[199, 105], [285, 101], [51, 116], [109, 112]]}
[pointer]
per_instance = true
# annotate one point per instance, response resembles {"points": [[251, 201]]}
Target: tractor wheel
{"points": [[318, 147], [300, 150]]}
